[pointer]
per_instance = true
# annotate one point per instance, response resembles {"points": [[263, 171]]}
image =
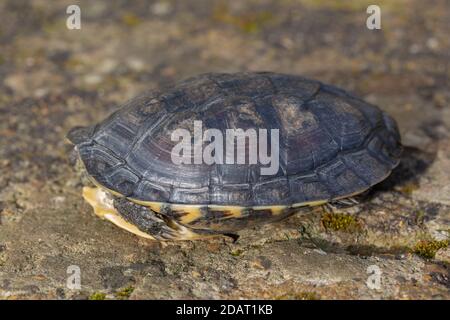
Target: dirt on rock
{"points": [[53, 78]]}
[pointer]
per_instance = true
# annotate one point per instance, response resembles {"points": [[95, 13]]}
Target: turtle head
{"points": [[78, 135], [79, 168]]}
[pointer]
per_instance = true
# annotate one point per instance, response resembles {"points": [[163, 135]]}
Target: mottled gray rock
{"points": [[435, 183]]}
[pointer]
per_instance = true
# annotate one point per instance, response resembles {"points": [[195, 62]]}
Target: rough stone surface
{"points": [[52, 78]]}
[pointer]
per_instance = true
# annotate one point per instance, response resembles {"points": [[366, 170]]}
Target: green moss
{"points": [[53, 26], [256, 22], [97, 296], [340, 222], [298, 296], [125, 293], [409, 188], [131, 19], [237, 252], [370, 250], [428, 248], [249, 22], [419, 217]]}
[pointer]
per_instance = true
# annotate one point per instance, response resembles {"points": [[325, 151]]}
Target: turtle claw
{"points": [[158, 225], [344, 203], [233, 236]]}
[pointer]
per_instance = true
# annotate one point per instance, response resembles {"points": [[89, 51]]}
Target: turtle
{"points": [[332, 146]]}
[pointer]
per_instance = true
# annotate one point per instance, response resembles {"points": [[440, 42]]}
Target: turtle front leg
{"points": [[150, 222], [344, 203], [103, 207], [140, 220]]}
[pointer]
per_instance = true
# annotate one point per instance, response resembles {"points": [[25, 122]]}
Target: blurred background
{"points": [[53, 78]]}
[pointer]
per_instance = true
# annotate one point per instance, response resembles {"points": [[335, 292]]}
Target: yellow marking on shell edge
{"points": [[276, 210], [103, 208], [192, 212], [155, 206], [234, 211], [310, 204]]}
